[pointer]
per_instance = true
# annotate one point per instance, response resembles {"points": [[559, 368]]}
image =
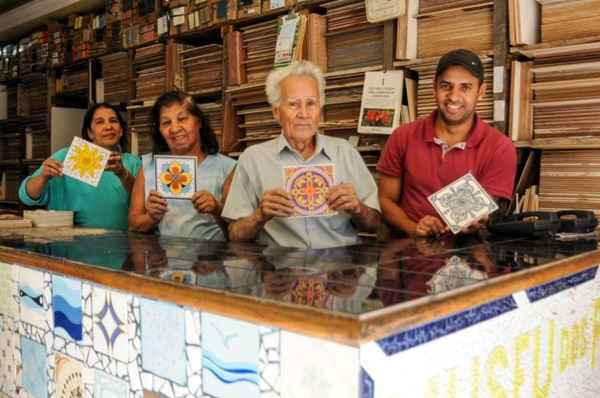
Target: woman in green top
{"points": [[104, 206]]}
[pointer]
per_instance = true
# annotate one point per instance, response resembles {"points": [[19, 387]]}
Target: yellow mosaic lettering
{"points": [[432, 386], [475, 376], [521, 344], [452, 383], [498, 358], [583, 338], [595, 331], [543, 390], [565, 349]]}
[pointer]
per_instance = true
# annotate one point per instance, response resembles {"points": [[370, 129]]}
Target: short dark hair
{"points": [[208, 140], [89, 117], [464, 58]]}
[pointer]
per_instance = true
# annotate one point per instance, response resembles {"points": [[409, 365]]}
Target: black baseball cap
{"points": [[461, 57]]}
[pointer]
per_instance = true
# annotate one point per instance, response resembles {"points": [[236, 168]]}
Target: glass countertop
{"points": [[353, 280]]}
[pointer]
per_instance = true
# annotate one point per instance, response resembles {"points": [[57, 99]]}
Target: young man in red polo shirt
{"points": [[424, 156]]}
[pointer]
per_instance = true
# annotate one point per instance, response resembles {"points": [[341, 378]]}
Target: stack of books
{"points": [[343, 95], [439, 32], [352, 42], [570, 179], [258, 44], [201, 68], [213, 111], [82, 36], [39, 50], [74, 81], [253, 114], [150, 71], [569, 19], [140, 129], [25, 56], [560, 94], [116, 72], [58, 38]]}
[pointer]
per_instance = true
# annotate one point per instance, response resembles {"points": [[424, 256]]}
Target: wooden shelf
{"points": [[560, 143], [10, 203], [486, 55], [562, 47], [10, 162]]}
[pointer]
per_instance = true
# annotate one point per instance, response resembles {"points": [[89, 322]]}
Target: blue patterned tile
{"points": [[163, 340], [434, 330], [66, 302], [367, 385], [110, 323], [31, 291], [230, 357], [35, 378], [550, 288]]}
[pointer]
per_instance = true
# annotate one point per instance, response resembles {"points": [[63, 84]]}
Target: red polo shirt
{"points": [[412, 153]]}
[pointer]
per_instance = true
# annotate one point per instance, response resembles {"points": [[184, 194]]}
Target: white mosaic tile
{"points": [[9, 293], [270, 366], [192, 327], [9, 356], [317, 368]]}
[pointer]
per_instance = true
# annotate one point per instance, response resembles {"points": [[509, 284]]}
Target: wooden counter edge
{"points": [[305, 320], [382, 323], [344, 329]]}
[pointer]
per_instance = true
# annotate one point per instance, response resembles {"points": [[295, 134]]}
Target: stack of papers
{"points": [[49, 218]]}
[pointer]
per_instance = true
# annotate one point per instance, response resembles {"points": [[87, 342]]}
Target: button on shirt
{"points": [[260, 168]]}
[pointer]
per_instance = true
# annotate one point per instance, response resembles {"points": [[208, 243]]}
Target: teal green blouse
{"points": [[104, 206]]}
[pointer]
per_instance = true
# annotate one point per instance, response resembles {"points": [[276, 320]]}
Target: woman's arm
{"points": [[144, 216], [35, 185], [115, 164]]}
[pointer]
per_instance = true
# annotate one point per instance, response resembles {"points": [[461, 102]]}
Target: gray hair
{"points": [[299, 68]]}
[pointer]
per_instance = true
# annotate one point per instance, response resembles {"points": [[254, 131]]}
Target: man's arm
{"points": [[246, 228], [274, 203], [390, 189], [344, 197], [367, 219]]}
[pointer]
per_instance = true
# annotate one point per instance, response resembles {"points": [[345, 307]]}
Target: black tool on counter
{"points": [[577, 221], [530, 224], [539, 224]]}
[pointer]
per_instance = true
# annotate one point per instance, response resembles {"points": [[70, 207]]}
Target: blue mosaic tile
{"points": [[34, 368], [367, 385], [66, 299], [550, 288], [434, 330]]}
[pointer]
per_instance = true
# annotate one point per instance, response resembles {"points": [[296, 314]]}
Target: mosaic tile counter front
{"points": [[64, 337]]}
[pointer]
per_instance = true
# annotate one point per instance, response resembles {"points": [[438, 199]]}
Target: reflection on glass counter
{"points": [[353, 279]]}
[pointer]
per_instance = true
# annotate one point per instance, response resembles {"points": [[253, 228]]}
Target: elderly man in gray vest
{"points": [[257, 204]]}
